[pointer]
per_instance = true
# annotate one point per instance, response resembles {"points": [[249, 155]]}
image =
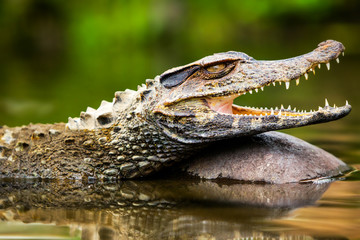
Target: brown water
{"points": [[191, 209]]}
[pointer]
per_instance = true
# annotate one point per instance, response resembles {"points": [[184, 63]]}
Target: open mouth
{"points": [[224, 104]]}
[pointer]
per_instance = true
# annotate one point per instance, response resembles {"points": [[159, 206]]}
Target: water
{"points": [[60, 57], [191, 209]]}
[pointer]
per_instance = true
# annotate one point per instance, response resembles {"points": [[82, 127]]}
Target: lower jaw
{"points": [[248, 111], [224, 105]]}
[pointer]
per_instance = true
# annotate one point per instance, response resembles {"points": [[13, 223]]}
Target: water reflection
{"points": [[159, 209]]}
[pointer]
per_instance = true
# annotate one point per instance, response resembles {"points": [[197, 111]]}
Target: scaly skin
{"points": [[165, 121]]}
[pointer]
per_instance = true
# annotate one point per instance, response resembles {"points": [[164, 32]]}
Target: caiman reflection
{"points": [[163, 209]]}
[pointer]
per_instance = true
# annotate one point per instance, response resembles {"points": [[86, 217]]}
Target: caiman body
{"points": [[165, 121]]}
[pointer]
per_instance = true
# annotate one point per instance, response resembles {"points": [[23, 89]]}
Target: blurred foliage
{"points": [[58, 57]]}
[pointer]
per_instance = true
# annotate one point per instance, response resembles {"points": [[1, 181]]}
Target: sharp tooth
{"points": [[272, 111], [276, 108], [306, 76], [256, 90], [250, 91], [343, 53], [313, 70], [347, 103], [262, 88], [319, 65], [334, 105], [274, 84], [280, 83], [320, 108], [289, 107], [297, 81], [287, 85], [328, 66], [326, 103], [294, 109], [279, 113], [337, 60]]}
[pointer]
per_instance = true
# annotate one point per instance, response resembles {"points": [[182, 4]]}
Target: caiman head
{"points": [[196, 100]]}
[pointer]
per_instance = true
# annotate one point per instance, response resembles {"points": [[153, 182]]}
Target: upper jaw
{"points": [[252, 75], [294, 68], [255, 75]]}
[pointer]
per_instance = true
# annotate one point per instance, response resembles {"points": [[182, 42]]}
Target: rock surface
{"points": [[271, 157]]}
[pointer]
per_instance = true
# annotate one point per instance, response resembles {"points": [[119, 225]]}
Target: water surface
{"points": [[189, 209]]}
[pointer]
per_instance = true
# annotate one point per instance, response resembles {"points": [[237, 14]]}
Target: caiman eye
{"points": [[216, 68]]}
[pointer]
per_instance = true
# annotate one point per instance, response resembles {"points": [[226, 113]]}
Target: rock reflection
{"points": [[158, 209]]}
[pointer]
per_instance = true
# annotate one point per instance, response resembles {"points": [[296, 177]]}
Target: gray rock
{"points": [[271, 157]]}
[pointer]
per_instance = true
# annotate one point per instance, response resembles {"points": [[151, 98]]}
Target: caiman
{"points": [[166, 120]]}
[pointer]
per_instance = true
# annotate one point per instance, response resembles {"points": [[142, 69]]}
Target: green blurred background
{"points": [[58, 57]]}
